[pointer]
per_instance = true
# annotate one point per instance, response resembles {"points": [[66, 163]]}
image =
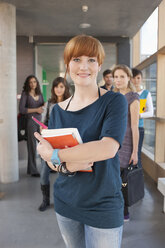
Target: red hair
{"points": [[83, 45]]}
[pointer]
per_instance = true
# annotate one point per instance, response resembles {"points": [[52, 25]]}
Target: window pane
{"points": [[148, 42], [149, 80], [149, 137]]}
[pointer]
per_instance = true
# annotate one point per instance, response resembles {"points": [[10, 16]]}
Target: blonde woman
{"points": [[129, 151]]}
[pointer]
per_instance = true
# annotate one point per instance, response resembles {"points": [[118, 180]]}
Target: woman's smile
{"points": [[83, 75]]}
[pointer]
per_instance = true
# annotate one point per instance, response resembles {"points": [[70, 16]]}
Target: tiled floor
{"points": [[23, 226]]}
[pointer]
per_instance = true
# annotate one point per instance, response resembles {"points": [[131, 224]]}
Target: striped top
{"points": [[127, 146]]}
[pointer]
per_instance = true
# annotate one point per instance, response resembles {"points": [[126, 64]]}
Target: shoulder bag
{"points": [[22, 125], [132, 184]]}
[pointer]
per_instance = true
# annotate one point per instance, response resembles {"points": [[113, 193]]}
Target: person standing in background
{"points": [[59, 92], [108, 79], [129, 151], [148, 110], [31, 104]]}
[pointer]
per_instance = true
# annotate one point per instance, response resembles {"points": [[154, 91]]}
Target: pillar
{"points": [[8, 104], [136, 49], [160, 91]]}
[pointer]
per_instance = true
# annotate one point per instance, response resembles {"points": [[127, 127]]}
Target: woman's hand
{"points": [[52, 166], [41, 129], [134, 158], [44, 148], [40, 110], [72, 167]]}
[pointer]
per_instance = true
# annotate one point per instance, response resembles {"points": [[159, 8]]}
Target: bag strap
{"points": [[73, 95], [47, 112], [131, 166], [27, 101], [69, 102]]}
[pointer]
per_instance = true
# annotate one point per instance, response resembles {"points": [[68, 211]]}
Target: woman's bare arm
{"points": [[90, 152], [81, 155], [38, 110], [134, 111]]}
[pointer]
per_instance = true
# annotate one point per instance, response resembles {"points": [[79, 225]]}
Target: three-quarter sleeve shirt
{"points": [[93, 198], [27, 101], [127, 147]]}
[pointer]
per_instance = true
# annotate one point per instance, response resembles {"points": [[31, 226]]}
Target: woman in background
{"points": [[148, 110], [129, 151], [59, 92], [31, 104]]}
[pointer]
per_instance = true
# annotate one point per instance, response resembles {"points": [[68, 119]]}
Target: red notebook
{"points": [[62, 138]]}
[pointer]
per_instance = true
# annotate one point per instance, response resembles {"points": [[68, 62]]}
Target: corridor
{"points": [[22, 225]]}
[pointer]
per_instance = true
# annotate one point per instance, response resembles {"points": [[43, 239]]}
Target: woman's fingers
{"points": [[39, 137], [130, 161], [51, 166]]}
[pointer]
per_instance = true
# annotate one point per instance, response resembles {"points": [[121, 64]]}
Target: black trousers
{"points": [[141, 138], [31, 146], [126, 212]]}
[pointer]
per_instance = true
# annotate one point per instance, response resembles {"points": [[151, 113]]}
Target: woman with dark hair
{"points": [[148, 110], [31, 104], [59, 92], [88, 205]]}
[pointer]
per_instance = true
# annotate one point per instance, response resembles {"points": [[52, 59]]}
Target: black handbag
{"points": [[22, 127], [132, 184], [22, 124]]}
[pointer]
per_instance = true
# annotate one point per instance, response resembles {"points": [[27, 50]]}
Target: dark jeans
{"points": [[141, 137], [45, 173]]}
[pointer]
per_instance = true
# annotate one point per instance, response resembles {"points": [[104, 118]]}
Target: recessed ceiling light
{"points": [[85, 25], [84, 8]]}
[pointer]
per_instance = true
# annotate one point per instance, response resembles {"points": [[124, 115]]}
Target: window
{"points": [[149, 80], [148, 36]]}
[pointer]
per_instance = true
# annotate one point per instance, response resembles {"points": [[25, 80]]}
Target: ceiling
{"points": [[62, 17], [46, 19]]}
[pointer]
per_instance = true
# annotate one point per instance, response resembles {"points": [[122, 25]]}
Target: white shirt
{"points": [[149, 106]]}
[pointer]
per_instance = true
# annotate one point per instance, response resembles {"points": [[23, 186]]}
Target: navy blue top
{"points": [[93, 198], [104, 87]]}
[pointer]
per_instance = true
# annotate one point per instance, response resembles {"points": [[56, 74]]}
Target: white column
{"points": [[8, 103]]}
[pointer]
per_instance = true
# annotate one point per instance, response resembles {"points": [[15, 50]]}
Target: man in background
{"points": [[108, 79]]}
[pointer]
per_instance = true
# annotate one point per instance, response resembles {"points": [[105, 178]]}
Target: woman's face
{"points": [[33, 83], [59, 90], [137, 80], [121, 79], [83, 70]]}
